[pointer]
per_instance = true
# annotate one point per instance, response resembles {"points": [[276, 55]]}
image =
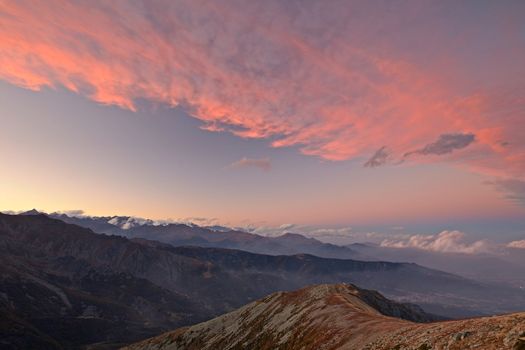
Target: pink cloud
{"points": [[330, 80]]}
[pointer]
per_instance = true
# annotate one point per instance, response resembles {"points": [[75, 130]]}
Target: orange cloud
{"points": [[337, 85]]}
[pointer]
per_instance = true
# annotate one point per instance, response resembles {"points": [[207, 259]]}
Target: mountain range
{"points": [[62, 285], [178, 234], [501, 267], [401, 284]]}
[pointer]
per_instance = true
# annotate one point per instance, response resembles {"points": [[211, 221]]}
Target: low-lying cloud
{"points": [[72, 212], [444, 242], [517, 244], [337, 235]]}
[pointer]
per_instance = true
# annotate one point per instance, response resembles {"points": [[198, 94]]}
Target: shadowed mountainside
{"points": [[333, 317]]}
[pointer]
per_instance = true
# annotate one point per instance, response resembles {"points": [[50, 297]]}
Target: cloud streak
{"points": [[325, 79], [446, 143], [263, 163], [380, 157], [513, 189]]}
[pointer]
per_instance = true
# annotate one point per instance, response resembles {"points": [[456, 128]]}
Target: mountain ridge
{"points": [[182, 234], [336, 317]]}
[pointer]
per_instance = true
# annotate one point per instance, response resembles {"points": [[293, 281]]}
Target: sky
{"points": [[370, 115]]}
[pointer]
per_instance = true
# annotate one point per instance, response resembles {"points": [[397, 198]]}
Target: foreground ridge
{"points": [[339, 316]]}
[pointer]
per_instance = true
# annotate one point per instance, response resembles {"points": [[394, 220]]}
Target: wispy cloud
{"points": [[200, 221], [321, 78], [446, 143], [380, 157], [512, 189], [262, 163], [72, 212]]}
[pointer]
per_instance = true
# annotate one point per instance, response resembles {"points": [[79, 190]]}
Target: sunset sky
{"points": [[364, 114]]}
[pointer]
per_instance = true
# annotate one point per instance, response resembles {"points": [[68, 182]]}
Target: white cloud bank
{"points": [[517, 244], [445, 242]]}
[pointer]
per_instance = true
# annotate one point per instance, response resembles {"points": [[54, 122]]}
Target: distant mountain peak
{"points": [[32, 212]]}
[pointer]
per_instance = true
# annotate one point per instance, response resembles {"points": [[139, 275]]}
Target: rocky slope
{"points": [[329, 317]]}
